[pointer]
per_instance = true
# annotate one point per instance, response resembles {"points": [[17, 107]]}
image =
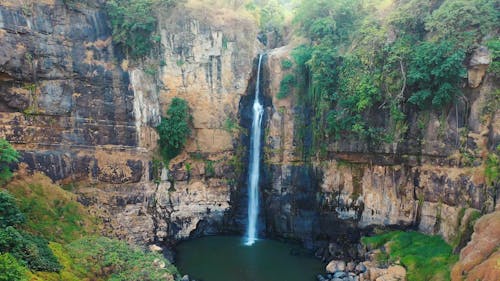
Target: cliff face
{"points": [[78, 111], [66, 105], [84, 115], [432, 180]]}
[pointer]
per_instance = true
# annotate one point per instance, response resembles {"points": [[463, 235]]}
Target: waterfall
{"points": [[253, 171]]}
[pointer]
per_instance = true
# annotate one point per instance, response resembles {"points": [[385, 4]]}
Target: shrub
{"points": [[8, 155], [286, 85], [174, 129], [32, 250], [11, 269], [10, 215], [120, 261], [286, 64], [435, 73], [133, 23]]}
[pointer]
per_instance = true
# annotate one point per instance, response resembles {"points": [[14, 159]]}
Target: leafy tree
{"points": [[10, 215], [435, 72], [174, 129], [319, 19], [133, 23], [464, 20], [11, 269], [272, 17], [8, 155]]}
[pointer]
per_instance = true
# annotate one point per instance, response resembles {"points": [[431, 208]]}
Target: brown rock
{"points": [[479, 260]]}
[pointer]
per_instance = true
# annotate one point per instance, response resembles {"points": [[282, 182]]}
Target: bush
{"points": [[174, 129], [286, 64], [8, 155], [133, 23], [33, 251], [435, 73], [10, 215], [103, 257], [286, 85], [50, 211], [11, 269]]}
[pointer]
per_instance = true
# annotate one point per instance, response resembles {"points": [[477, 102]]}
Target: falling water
{"points": [[253, 171]]}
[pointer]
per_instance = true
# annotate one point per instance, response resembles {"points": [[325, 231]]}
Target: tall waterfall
{"points": [[253, 171]]}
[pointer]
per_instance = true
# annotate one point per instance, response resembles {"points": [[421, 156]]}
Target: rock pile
{"points": [[364, 271]]}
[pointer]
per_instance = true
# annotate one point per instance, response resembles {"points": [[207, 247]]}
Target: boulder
{"points": [[478, 65], [335, 265]]}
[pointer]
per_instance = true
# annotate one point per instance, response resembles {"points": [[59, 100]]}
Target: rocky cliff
{"points": [[83, 114], [432, 180]]}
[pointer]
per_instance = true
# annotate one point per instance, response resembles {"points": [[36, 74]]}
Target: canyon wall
{"points": [[432, 180], [83, 114], [79, 111]]}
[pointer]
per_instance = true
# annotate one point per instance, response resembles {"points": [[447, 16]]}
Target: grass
{"points": [[54, 214], [424, 257], [51, 211]]}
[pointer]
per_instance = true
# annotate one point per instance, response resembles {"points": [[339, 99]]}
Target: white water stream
{"points": [[254, 169]]}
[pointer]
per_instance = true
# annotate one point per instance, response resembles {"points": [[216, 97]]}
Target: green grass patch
{"points": [[425, 257], [51, 212]]}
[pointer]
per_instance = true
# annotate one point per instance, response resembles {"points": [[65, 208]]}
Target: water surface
{"points": [[227, 258]]}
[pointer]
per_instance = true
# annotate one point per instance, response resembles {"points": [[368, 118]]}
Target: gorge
{"points": [[341, 151]]}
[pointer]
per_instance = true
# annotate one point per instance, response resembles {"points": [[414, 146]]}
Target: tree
{"points": [[174, 129], [133, 23], [10, 215], [8, 155], [435, 72]]}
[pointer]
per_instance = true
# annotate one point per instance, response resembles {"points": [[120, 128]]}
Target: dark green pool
{"points": [[226, 258]]}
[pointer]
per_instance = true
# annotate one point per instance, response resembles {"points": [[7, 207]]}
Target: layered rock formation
{"points": [[80, 112], [432, 180]]}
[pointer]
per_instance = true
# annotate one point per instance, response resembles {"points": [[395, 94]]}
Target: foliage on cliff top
{"points": [[425, 257], [388, 59], [174, 129], [134, 22]]}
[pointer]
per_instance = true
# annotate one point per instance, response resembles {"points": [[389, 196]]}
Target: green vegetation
{"points": [[286, 86], [435, 73], [134, 23], [492, 169], [11, 269], [392, 58], [174, 129], [8, 155], [99, 257], [286, 64], [10, 215], [31, 251], [425, 257], [52, 213]]}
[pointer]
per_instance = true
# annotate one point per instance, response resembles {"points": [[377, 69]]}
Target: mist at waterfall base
{"points": [[227, 258]]}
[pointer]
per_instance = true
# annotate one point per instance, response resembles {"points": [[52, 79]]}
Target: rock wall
{"points": [[425, 182], [83, 114]]}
